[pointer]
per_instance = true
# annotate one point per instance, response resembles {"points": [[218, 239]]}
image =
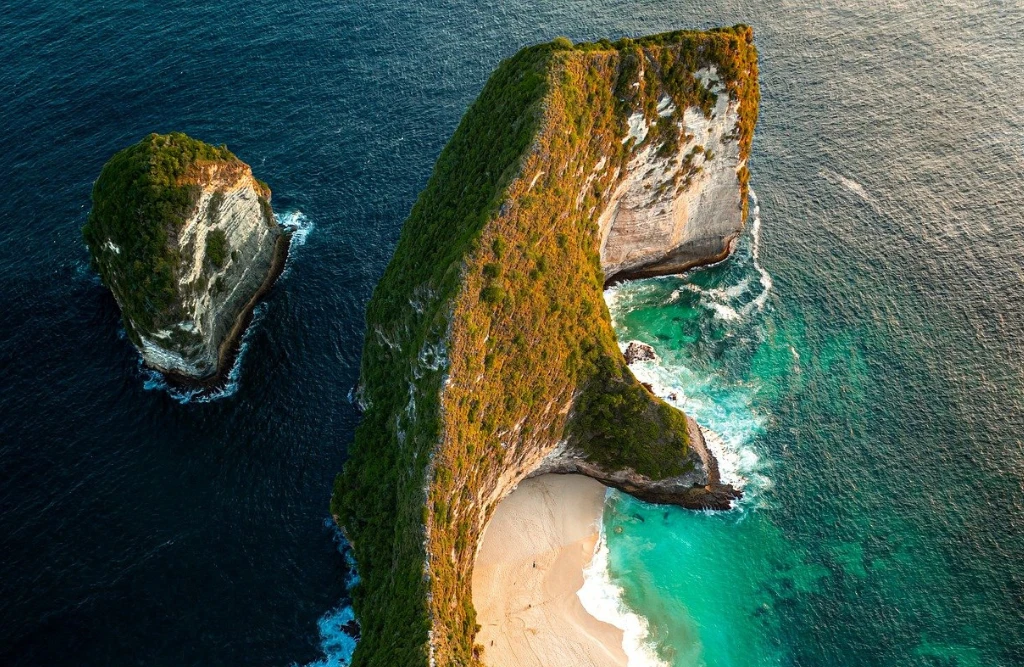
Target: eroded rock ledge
{"points": [[698, 489], [184, 236], [489, 353]]}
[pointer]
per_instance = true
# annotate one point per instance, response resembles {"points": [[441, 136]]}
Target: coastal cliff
{"points": [[680, 208], [489, 353], [184, 237]]}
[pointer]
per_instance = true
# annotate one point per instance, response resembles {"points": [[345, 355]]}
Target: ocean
{"points": [[859, 361]]}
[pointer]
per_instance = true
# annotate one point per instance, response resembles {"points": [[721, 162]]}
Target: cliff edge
{"points": [[489, 353], [183, 235]]}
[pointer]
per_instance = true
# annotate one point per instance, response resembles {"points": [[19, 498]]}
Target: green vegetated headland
{"points": [[488, 340], [143, 196]]}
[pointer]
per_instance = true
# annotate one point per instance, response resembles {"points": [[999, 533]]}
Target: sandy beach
{"points": [[528, 571]]}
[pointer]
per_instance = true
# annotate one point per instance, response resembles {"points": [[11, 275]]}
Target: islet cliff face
{"points": [[216, 247], [214, 295], [489, 353]]}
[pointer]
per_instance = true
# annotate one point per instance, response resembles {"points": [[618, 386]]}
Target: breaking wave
{"points": [[339, 631], [298, 225], [603, 600], [155, 381], [765, 278]]}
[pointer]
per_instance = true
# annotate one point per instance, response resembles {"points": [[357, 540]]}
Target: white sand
{"points": [[528, 571]]}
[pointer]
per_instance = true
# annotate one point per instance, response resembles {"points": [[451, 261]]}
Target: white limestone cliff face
{"points": [[214, 299], [666, 214], [672, 212]]}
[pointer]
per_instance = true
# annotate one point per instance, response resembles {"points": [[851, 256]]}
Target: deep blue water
{"points": [[889, 157]]}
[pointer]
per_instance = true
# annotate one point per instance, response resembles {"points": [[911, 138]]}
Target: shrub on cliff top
{"points": [[139, 201], [217, 247]]}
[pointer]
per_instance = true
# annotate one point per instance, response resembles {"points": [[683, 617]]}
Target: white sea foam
{"points": [[336, 642], [155, 381], [854, 187], [850, 185], [602, 599], [731, 292], [736, 462], [755, 232], [297, 224], [724, 312], [719, 299], [725, 301]]}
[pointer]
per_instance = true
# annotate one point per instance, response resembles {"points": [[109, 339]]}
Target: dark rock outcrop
{"points": [[636, 351], [699, 489]]}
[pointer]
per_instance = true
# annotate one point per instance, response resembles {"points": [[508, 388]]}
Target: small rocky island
{"points": [[184, 236], [489, 354]]}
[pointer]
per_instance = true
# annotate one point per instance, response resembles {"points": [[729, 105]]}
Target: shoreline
{"points": [[528, 573]]}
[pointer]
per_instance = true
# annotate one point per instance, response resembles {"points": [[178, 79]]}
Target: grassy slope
{"points": [[141, 198], [497, 270]]}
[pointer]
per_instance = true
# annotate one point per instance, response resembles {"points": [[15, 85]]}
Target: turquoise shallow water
{"points": [[859, 540], [874, 405]]}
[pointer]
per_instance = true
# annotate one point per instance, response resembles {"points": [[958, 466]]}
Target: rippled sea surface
{"points": [[873, 401]]}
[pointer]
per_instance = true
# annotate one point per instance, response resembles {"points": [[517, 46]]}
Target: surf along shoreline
{"points": [[563, 609], [529, 570]]}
